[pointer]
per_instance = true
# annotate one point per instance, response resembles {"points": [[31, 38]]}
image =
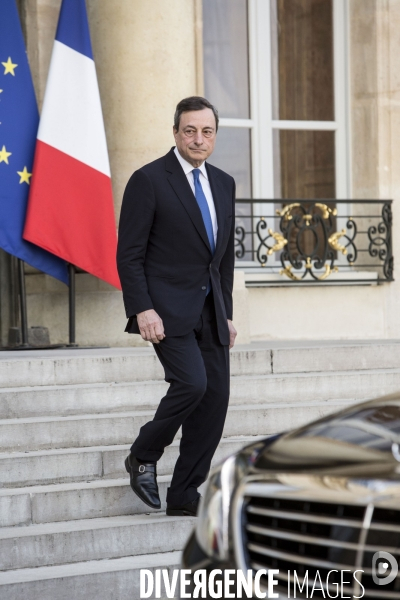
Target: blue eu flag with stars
{"points": [[19, 120]]}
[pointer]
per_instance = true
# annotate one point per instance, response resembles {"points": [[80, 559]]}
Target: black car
{"points": [[319, 507]]}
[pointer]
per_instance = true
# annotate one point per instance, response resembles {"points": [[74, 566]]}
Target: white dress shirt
{"points": [[205, 184]]}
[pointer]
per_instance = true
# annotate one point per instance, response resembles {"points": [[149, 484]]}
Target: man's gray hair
{"points": [[193, 103]]}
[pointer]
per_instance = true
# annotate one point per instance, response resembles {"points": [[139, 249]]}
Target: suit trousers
{"points": [[196, 366]]}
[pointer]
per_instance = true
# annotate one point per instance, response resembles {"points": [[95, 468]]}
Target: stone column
{"points": [[145, 55], [389, 120], [148, 57], [375, 121]]}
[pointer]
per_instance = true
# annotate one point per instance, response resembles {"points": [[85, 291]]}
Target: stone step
{"points": [[65, 367], [91, 539], [83, 399], [113, 579], [74, 366], [336, 356], [64, 400], [74, 501], [42, 433], [114, 497], [21, 469], [111, 497]]}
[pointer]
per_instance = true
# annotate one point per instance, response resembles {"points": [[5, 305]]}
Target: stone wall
{"points": [[148, 56]]}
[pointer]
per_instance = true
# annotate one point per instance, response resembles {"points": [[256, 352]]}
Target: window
{"points": [[277, 72], [226, 75]]}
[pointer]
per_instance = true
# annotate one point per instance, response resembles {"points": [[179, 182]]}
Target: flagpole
{"points": [[72, 306], [22, 300], [14, 335]]}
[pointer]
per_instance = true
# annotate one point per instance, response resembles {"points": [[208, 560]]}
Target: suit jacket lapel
{"points": [[180, 184], [219, 196]]}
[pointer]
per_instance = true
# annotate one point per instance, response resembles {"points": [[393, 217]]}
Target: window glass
{"points": [[226, 69], [307, 164], [232, 154], [302, 50]]}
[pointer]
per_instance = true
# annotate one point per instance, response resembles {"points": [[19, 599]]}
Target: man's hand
{"points": [[151, 326], [232, 334]]}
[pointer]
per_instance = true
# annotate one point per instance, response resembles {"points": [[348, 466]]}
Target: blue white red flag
{"points": [[70, 210], [18, 126]]}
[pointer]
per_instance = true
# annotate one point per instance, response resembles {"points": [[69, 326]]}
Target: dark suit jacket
{"points": [[164, 257]]}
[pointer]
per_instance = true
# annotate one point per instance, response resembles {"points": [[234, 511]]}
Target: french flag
{"points": [[70, 208]]}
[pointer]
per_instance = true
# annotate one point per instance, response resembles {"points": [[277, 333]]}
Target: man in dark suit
{"points": [[175, 261]]}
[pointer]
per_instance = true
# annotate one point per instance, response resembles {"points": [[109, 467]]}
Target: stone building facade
{"points": [[268, 65]]}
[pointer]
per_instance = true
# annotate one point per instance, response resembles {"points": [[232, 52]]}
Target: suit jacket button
{"points": [[204, 287]]}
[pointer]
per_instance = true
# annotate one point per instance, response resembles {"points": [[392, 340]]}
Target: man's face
{"points": [[196, 137]]}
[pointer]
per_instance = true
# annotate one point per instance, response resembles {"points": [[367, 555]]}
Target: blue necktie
{"points": [[205, 212], [203, 205]]}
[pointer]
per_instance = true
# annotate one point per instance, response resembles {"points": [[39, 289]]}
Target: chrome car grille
{"points": [[306, 536]]}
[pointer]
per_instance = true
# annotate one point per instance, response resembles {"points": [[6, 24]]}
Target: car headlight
{"points": [[212, 529]]}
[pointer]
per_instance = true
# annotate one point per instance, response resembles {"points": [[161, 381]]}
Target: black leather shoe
{"points": [[186, 510], [143, 481]]}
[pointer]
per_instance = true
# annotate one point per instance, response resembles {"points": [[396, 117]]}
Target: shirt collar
{"points": [[187, 167]]}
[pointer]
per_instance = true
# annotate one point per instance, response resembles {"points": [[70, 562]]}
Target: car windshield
{"points": [[375, 427]]}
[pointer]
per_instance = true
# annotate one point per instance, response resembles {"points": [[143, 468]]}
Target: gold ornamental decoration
{"points": [[326, 211], [286, 211], [333, 241], [288, 271], [301, 222], [280, 242]]}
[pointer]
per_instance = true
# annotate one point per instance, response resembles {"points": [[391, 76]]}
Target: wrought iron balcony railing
{"points": [[314, 241]]}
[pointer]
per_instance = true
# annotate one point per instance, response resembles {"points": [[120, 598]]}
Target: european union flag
{"points": [[19, 120]]}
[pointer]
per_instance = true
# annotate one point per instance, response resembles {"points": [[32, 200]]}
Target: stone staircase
{"points": [[70, 526]]}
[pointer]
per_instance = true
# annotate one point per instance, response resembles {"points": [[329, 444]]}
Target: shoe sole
{"points": [[135, 492]]}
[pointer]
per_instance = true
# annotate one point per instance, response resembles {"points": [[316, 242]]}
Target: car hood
{"points": [[362, 441]]}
